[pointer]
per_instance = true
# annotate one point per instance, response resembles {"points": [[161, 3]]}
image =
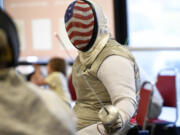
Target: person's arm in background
{"points": [[37, 77], [117, 75]]}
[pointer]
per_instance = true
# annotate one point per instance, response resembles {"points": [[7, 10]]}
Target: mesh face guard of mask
{"points": [[81, 24]]}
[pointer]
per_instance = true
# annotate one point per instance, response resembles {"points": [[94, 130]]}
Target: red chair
{"points": [[71, 88], [166, 84], [144, 104]]}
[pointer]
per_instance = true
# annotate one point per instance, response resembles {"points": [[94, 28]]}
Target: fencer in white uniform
{"points": [[103, 74], [25, 109]]}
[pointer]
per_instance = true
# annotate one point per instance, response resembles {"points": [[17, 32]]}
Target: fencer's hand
{"points": [[117, 125], [110, 118], [114, 127]]}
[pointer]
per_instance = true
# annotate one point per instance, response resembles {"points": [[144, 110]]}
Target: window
{"points": [[154, 23], [2, 4], [154, 31]]}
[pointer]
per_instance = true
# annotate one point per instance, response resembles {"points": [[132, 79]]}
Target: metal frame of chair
{"points": [[144, 105], [158, 126]]}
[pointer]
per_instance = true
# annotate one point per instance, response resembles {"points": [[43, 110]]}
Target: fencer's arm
{"points": [[117, 75]]}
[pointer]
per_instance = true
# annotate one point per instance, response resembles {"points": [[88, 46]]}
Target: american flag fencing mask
{"points": [[81, 24]]}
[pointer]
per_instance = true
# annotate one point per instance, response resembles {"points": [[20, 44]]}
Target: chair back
{"points": [[166, 84], [144, 104], [71, 88]]}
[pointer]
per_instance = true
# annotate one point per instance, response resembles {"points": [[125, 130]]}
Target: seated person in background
{"points": [[157, 100], [56, 78], [24, 108]]}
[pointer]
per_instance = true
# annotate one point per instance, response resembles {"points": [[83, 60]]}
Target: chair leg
{"points": [[134, 131], [143, 132]]}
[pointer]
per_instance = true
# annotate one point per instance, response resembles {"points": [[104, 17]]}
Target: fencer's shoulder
{"points": [[114, 48], [112, 43]]}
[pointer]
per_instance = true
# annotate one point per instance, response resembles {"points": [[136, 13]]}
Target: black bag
{"points": [[163, 129]]}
